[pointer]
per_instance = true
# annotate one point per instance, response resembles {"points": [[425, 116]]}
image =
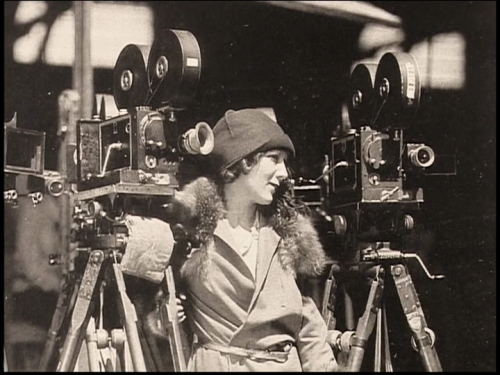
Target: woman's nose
{"points": [[281, 171]]}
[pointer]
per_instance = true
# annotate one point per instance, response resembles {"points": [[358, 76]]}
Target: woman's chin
{"points": [[265, 201]]}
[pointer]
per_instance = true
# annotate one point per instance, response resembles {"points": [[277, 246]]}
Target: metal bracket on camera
{"points": [[36, 198], [10, 197]]}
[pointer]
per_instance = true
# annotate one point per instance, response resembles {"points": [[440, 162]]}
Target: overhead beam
{"points": [[356, 11]]}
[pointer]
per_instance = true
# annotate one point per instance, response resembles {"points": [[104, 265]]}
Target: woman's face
{"points": [[260, 184]]}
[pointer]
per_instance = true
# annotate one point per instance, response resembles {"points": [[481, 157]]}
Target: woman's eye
{"points": [[276, 157]]}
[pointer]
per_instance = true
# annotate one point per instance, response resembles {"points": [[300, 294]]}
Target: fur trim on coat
{"points": [[199, 207]]}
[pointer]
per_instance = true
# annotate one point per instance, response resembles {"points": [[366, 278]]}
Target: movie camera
{"points": [[374, 174], [372, 193], [24, 169], [127, 165], [142, 147]]}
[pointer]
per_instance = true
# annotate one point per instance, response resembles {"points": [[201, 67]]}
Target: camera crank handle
{"points": [[432, 277], [338, 164], [112, 147]]}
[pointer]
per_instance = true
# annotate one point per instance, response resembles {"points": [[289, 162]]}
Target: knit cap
{"points": [[240, 133]]}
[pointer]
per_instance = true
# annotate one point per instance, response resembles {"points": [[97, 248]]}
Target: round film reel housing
{"points": [[130, 81], [397, 91], [361, 101], [173, 69]]}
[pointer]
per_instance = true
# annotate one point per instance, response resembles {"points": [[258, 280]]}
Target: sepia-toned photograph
{"points": [[249, 186]]}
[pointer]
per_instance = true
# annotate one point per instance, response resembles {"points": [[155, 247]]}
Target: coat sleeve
{"points": [[314, 351]]}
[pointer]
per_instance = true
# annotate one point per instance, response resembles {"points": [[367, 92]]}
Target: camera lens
{"points": [[95, 209], [422, 156]]}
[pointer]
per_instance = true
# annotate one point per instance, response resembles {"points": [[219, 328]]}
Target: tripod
{"points": [[136, 348], [82, 311], [355, 342]]}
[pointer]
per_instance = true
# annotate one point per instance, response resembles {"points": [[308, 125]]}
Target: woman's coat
{"points": [[229, 307]]}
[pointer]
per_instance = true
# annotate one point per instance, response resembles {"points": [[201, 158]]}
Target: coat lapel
{"points": [[222, 231], [268, 243]]}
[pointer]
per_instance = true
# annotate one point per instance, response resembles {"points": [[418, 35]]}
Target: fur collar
{"points": [[199, 207]]}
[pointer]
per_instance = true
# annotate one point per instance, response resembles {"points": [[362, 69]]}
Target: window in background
{"points": [[113, 26], [441, 61], [27, 48], [375, 36], [29, 11], [440, 58], [375, 40]]}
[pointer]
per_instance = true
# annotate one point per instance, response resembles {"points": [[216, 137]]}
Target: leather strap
{"points": [[259, 354]]}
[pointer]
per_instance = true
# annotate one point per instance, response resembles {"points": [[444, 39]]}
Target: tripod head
{"points": [[389, 256]]}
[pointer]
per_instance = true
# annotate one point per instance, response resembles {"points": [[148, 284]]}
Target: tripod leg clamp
{"points": [[426, 341], [356, 341]]}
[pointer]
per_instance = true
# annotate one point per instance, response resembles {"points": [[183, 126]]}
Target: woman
{"points": [[244, 304]]}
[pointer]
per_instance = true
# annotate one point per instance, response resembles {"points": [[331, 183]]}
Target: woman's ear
{"points": [[245, 166], [248, 163]]}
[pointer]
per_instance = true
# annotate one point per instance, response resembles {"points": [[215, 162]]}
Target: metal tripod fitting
{"points": [[415, 317]]}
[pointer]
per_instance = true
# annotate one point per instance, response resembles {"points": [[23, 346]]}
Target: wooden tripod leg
{"points": [[148, 355], [92, 351], [81, 313], [128, 316], [128, 365], [176, 336], [387, 348], [348, 309], [378, 342], [151, 347], [382, 342], [366, 323], [415, 317], [65, 302]]}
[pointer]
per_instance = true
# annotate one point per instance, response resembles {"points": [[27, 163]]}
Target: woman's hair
{"points": [[228, 175]]}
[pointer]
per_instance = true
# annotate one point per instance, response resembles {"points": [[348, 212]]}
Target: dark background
{"points": [[254, 54]]}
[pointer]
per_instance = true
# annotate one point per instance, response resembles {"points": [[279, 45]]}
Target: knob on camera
{"points": [[55, 187]]}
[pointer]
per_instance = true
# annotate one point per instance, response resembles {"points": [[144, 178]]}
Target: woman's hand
{"points": [[181, 316]]}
